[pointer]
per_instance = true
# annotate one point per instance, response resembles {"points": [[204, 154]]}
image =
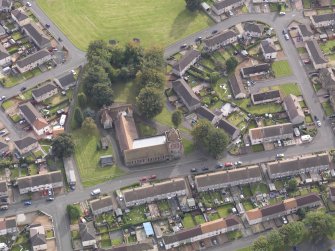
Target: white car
{"points": [[3, 97], [28, 4], [7, 139], [318, 123], [73, 72], [287, 37], [284, 220]]}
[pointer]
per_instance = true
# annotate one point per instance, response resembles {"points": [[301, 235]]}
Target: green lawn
{"points": [[327, 108], [259, 109], [7, 104], [14, 80], [188, 221], [136, 215], [87, 158], [225, 210], [199, 219], [247, 205], [145, 130], [286, 89], [281, 68], [154, 22], [259, 188], [326, 47], [257, 148], [301, 50], [188, 146]]}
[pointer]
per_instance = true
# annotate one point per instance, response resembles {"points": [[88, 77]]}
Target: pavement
{"points": [[57, 208]]}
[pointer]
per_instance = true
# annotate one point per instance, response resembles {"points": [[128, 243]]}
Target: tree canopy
{"points": [[73, 211], [89, 124], [193, 5], [149, 102], [63, 146], [78, 116], [231, 64], [319, 225], [102, 94], [176, 118], [293, 233], [292, 185], [261, 244]]}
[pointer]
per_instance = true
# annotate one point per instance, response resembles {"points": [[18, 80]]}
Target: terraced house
{"points": [[36, 35], [34, 118], [223, 6], [189, 59], [314, 51], [304, 164], [101, 205], [26, 145], [267, 134], [323, 20], [44, 92], [186, 94], [227, 178], [255, 70], [266, 97], [157, 191], [219, 40], [283, 208], [33, 61]]}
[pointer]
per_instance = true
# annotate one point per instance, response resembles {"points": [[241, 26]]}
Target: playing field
{"points": [[152, 21]]}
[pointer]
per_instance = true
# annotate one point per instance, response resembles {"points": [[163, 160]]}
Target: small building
{"points": [[255, 70], [219, 40], [229, 128], [268, 134], [5, 57], [20, 16], [223, 6], [33, 61], [87, 234], [26, 145], [44, 92], [3, 148], [323, 20], [104, 143], [305, 32], [101, 205], [185, 92], [106, 160], [268, 49], [34, 118], [266, 97], [314, 51], [149, 231], [189, 59], [294, 110], [206, 113], [237, 87], [37, 238], [66, 82], [36, 35], [252, 30]]}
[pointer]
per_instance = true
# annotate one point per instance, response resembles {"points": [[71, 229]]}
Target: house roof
{"points": [[155, 189], [307, 199], [227, 127], [219, 38], [39, 179], [323, 17], [125, 130], [300, 163], [246, 71], [43, 90], [236, 85], [101, 203], [184, 90], [3, 186], [254, 214], [37, 235], [3, 146], [271, 131], [205, 113], [19, 14], [305, 31], [227, 176], [37, 34], [66, 80], [107, 159], [268, 95], [327, 78], [253, 27], [213, 225], [224, 3], [315, 52], [293, 107], [186, 60], [3, 52], [146, 152], [268, 47], [25, 142], [33, 116], [87, 231], [32, 58], [5, 3], [149, 141], [182, 235], [272, 209], [290, 203]]}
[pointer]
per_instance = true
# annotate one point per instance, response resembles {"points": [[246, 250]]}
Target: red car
{"points": [[228, 164], [152, 177], [143, 179]]}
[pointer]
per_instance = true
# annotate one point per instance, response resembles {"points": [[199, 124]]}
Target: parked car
{"points": [[152, 177], [23, 89], [143, 179], [280, 156], [28, 4], [284, 220], [183, 46], [194, 170], [219, 165], [238, 163], [228, 164], [50, 199], [47, 26], [214, 31], [317, 121], [279, 143], [287, 37], [205, 168], [27, 203]]}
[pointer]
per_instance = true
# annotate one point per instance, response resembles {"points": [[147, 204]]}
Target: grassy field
{"points": [[326, 47], [87, 158], [327, 108], [152, 21], [286, 89], [281, 69]]}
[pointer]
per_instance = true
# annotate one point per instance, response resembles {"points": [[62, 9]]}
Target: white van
{"points": [[296, 132], [96, 192]]}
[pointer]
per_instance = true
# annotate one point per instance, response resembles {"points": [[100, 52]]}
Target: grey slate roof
{"points": [[37, 34], [32, 58], [101, 203], [307, 199], [30, 112], [227, 127], [252, 27], [37, 240], [183, 89], [153, 190], [268, 95], [224, 3], [3, 52], [19, 14], [219, 38], [3, 145], [186, 60], [271, 131], [301, 163], [40, 179], [87, 231], [323, 17], [11, 222], [227, 176], [293, 107], [316, 53], [267, 47], [67, 80], [205, 113], [43, 90], [25, 142], [236, 86], [246, 71], [273, 209], [182, 235], [305, 31]]}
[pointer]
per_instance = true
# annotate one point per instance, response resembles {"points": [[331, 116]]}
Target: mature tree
{"points": [[78, 116], [193, 5], [102, 94], [98, 48], [105, 64], [154, 57], [176, 118], [89, 125], [62, 146], [6, 163], [117, 56], [261, 244], [319, 225], [217, 142], [275, 240], [93, 75], [231, 64], [149, 102], [292, 233], [149, 77], [82, 99], [292, 185], [301, 213], [73, 211], [133, 54], [200, 132]]}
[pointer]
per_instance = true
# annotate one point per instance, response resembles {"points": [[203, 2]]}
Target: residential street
{"points": [[323, 141]]}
